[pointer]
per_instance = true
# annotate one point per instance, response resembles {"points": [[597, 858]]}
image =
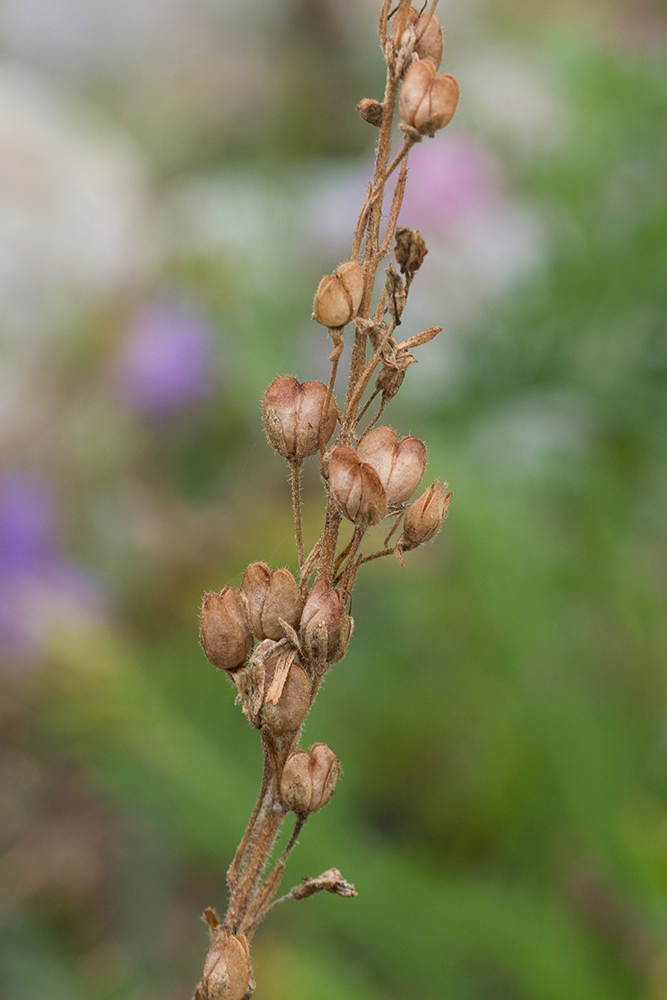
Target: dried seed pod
{"points": [[371, 111], [227, 973], [309, 779], [427, 101], [338, 296], [356, 488], [224, 632], [325, 625], [292, 414], [424, 517], [270, 597], [288, 713], [428, 34], [409, 250], [399, 464]]}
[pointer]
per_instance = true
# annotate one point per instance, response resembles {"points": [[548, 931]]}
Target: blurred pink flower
{"points": [[451, 177]]}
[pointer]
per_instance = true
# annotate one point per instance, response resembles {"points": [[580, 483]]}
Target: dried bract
{"points": [[338, 296], [227, 973], [424, 517], [269, 598], [409, 250], [356, 488], [399, 464], [309, 779], [293, 417], [325, 625], [224, 632], [428, 35], [371, 111], [427, 101]]}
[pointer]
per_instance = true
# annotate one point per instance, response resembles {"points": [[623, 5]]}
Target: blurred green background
{"points": [[175, 177]]}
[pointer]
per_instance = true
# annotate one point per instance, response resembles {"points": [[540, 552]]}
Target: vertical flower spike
{"points": [[338, 296], [293, 417], [400, 465]]}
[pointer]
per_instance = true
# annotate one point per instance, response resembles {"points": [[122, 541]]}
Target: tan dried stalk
{"points": [[227, 973]]}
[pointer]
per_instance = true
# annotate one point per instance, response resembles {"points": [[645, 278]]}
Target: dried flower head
{"points": [[399, 464], [285, 715], [338, 296], [309, 779], [270, 598], [224, 632], [428, 35], [293, 414], [356, 488], [227, 973], [424, 517], [371, 111], [427, 101], [325, 625], [409, 250]]}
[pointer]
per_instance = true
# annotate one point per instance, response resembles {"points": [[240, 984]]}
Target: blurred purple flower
{"points": [[451, 178], [39, 587], [164, 361]]}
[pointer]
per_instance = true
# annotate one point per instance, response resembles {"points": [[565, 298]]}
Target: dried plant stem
{"points": [[295, 475], [259, 906], [280, 679]]}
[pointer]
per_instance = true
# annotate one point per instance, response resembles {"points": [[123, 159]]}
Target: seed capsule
{"points": [[309, 779], [293, 417], [224, 632], [356, 488], [427, 101], [429, 35], [227, 973], [270, 597], [371, 111], [424, 517], [399, 465], [292, 707], [325, 625], [409, 250], [338, 296]]}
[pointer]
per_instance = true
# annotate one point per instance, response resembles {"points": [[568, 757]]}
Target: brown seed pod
{"points": [[227, 973], [427, 101], [309, 779], [424, 517], [224, 632], [371, 111], [270, 597], [399, 464], [356, 487], [292, 414], [287, 714], [429, 35], [325, 625], [409, 250], [338, 296]]}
